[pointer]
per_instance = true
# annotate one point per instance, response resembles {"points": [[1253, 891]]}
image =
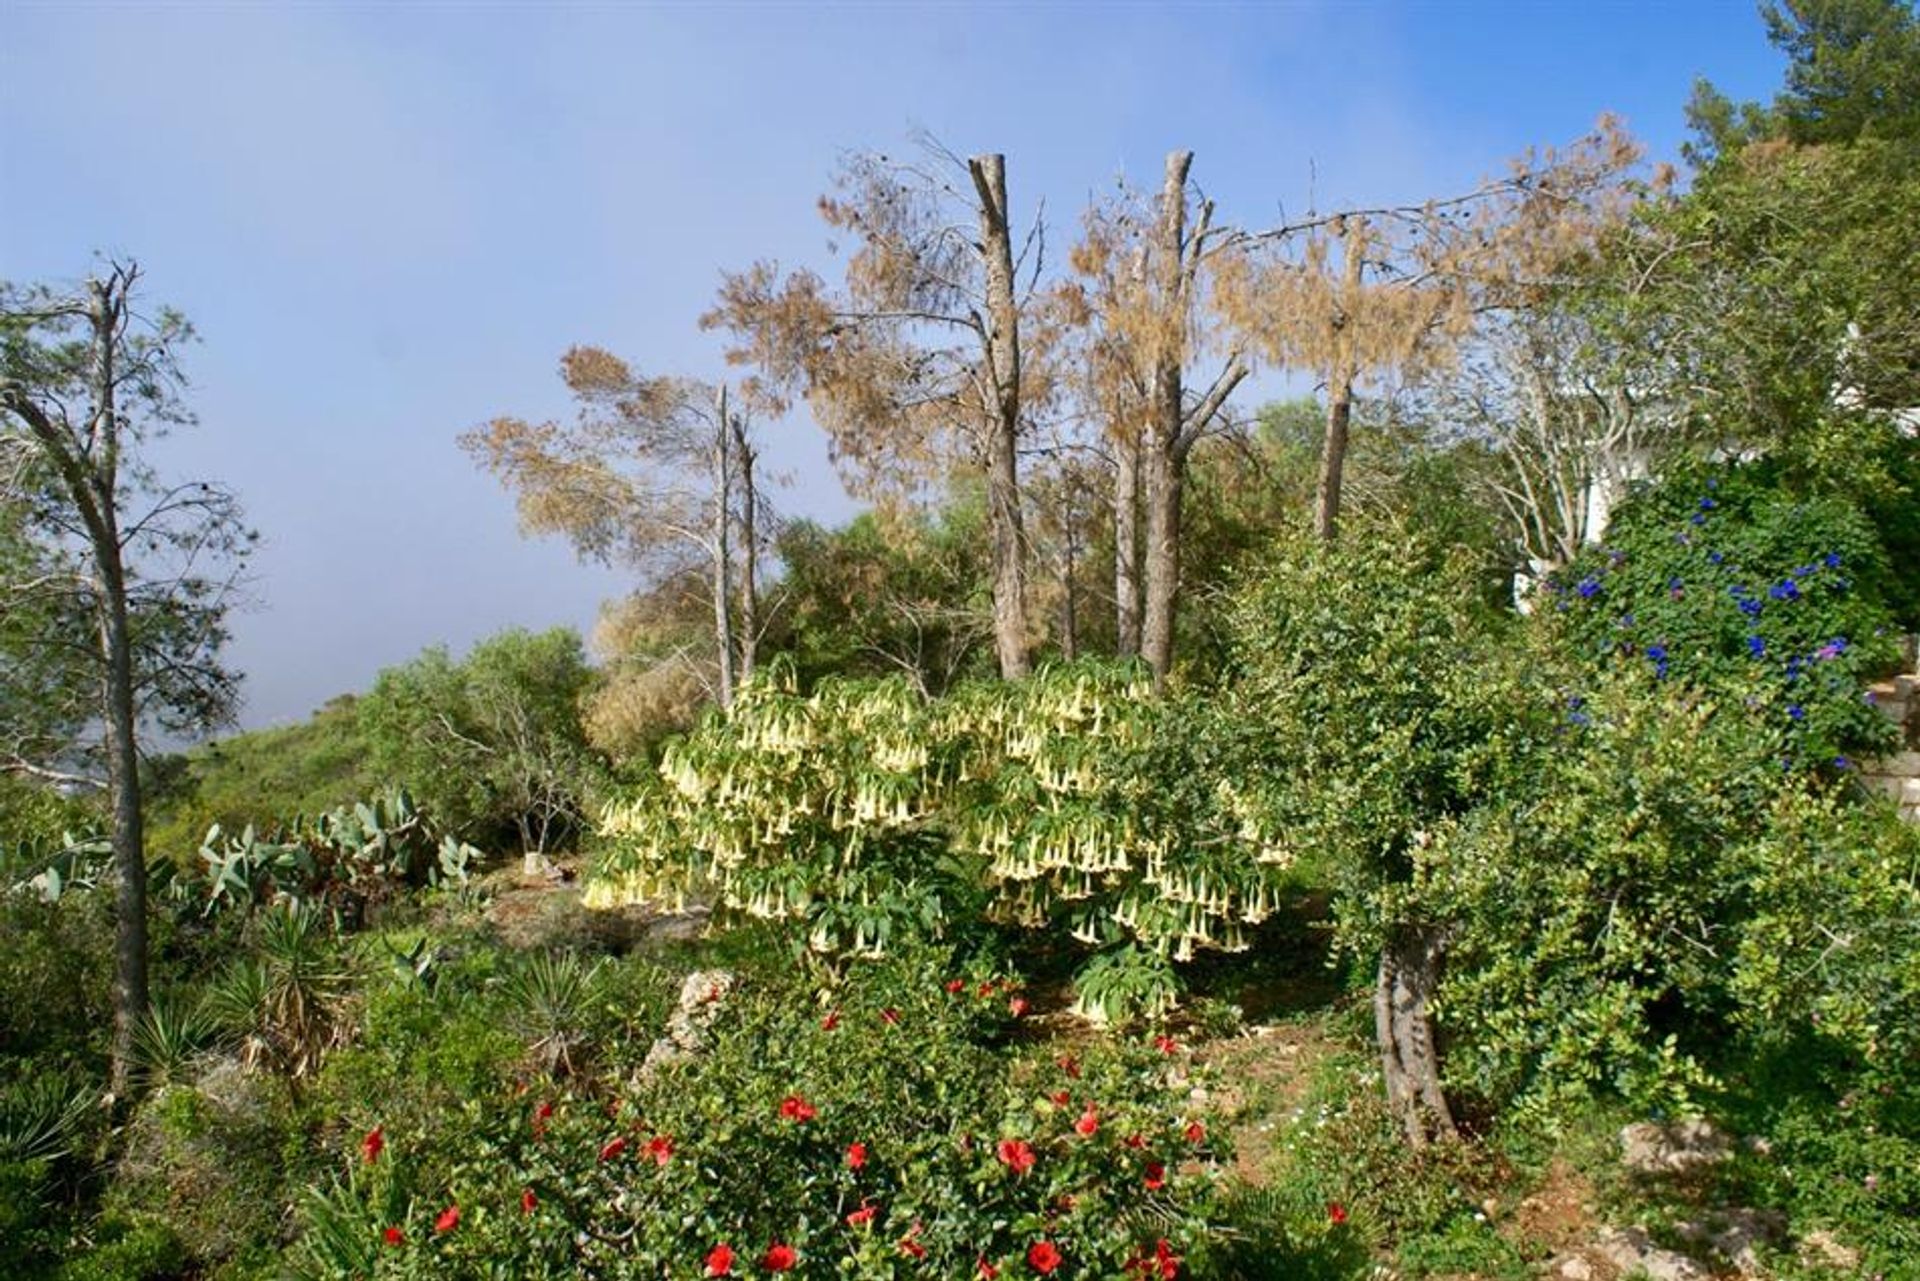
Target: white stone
{"points": [[1632, 1249], [1648, 1148]]}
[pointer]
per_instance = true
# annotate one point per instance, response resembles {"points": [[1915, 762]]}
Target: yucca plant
{"points": [[168, 1037], [41, 1118], [286, 1006], [551, 997]]}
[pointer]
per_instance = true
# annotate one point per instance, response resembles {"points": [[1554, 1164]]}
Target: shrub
{"points": [[205, 1159], [873, 1127], [1721, 577], [1073, 801], [140, 1250]]}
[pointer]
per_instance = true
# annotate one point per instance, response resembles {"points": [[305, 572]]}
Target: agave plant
{"points": [[551, 995]]}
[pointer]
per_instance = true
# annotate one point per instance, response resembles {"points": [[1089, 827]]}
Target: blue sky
{"points": [[388, 222]]}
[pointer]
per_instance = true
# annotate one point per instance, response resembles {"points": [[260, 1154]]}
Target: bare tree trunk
{"points": [[117, 711], [1333, 458], [749, 552], [1002, 429], [1166, 415], [1126, 544], [722, 539], [1165, 481], [1409, 1060], [1069, 560]]}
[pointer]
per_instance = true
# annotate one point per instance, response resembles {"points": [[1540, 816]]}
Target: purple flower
{"points": [[1831, 560], [1707, 504], [1750, 607], [1756, 647], [1796, 712], [1841, 762], [1715, 557], [1589, 587], [1785, 589], [1698, 518], [1832, 649]]}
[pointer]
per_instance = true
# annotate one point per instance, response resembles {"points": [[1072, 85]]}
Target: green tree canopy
{"points": [[491, 744]]}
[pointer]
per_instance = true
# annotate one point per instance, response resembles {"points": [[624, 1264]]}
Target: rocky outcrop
{"points": [[701, 997]]}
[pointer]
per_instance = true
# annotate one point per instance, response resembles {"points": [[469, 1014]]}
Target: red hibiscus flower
{"points": [[1165, 1044], [780, 1257], [373, 1145], [1061, 1098], [984, 1270], [986, 990], [1089, 1123], [720, 1260], [1196, 1132], [1163, 1262], [1015, 1154], [863, 1216], [393, 1236], [956, 986], [1019, 1006], [830, 1022], [910, 1247], [1134, 1141], [1156, 1176], [856, 1155], [796, 1109], [1044, 1258], [1336, 1213], [542, 1115], [613, 1147], [528, 1201], [660, 1148], [1070, 1065], [449, 1219], [890, 1016]]}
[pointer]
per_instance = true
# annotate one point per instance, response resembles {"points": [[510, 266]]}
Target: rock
{"points": [[701, 997], [1734, 1235], [1648, 1148], [1631, 1248], [1573, 1267], [1821, 1247]]}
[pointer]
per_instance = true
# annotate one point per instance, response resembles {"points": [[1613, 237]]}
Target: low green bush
{"points": [[873, 1125]]}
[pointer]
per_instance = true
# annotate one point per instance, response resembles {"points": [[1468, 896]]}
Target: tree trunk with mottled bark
{"points": [[1002, 413], [1409, 1058]]}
